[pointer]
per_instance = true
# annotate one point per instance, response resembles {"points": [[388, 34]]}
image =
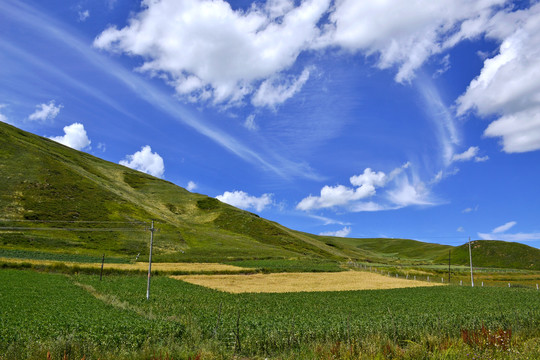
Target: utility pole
{"points": [[470, 257], [150, 260], [448, 267]]}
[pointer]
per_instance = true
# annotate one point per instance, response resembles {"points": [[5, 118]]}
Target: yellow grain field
{"points": [[300, 282], [165, 267]]}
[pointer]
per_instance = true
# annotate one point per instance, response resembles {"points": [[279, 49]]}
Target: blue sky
{"points": [[362, 119]]}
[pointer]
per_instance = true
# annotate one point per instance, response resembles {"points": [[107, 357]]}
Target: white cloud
{"points": [[45, 112], [404, 33], [503, 228], [277, 89], [399, 192], [146, 161], [245, 201], [508, 84], [83, 15], [469, 209], [102, 147], [74, 136], [520, 237], [250, 123], [340, 233], [407, 193], [469, 154], [191, 186], [205, 49], [328, 221], [460, 229], [481, 158]]}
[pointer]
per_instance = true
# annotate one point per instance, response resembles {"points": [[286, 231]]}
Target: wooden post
{"points": [[102, 262], [449, 266], [150, 261]]}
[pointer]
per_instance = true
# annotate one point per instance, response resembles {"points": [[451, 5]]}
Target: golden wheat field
{"points": [[166, 267], [301, 282]]}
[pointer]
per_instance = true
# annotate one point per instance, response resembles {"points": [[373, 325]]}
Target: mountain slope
{"points": [[50, 193], [47, 185]]}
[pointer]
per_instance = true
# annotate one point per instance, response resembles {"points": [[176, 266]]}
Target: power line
{"points": [[16, 228], [74, 221]]}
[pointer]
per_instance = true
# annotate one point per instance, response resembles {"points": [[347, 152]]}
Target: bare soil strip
{"points": [[165, 267], [301, 282]]}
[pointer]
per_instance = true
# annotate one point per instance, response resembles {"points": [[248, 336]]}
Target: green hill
{"points": [[496, 254], [56, 200]]}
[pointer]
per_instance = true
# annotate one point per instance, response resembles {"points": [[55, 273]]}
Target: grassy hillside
{"points": [[47, 186], [496, 254]]}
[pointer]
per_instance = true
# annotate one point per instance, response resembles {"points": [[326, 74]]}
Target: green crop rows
{"points": [[112, 316], [48, 311]]}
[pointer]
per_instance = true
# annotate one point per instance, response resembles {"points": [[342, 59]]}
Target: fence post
{"points": [[101, 272]]}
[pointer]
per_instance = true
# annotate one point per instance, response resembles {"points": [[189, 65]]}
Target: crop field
{"points": [[83, 316], [301, 282], [139, 266]]}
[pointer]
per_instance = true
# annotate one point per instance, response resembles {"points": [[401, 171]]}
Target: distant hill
{"points": [[50, 192], [497, 254]]}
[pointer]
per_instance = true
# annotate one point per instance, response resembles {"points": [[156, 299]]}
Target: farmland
{"points": [[111, 319]]}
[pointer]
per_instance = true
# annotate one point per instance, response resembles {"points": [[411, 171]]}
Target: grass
{"points": [[111, 319], [498, 254], [301, 282]]}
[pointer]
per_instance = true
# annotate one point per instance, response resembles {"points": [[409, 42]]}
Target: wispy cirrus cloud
{"points": [[267, 159]]}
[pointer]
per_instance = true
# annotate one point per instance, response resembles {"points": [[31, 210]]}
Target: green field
{"points": [[83, 316]]}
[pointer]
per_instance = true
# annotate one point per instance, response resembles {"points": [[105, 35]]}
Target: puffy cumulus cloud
{"points": [[207, 50], [335, 196], [191, 186], [244, 201], [74, 136], [340, 233], [146, 161], [508, 85], [405, 33], [399, 192], [45, 112]]}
